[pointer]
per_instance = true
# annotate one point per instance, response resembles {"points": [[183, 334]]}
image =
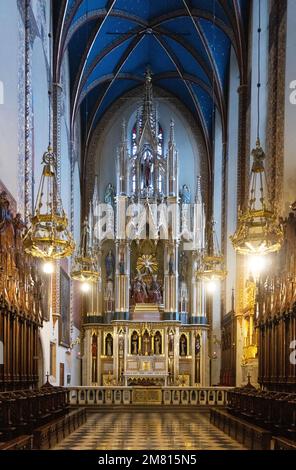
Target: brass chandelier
{"points": [[85, 266], [258, 231], [48, 236], [212, 266]]}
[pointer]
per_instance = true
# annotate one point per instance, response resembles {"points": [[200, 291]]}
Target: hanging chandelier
{"points": [[212, 265], [258, 231], [48, 236], [85, 266]]}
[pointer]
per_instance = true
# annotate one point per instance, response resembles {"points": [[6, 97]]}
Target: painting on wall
{"points": [[64, 323]]}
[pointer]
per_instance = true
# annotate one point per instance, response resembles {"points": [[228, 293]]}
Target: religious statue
{"points": [[109, 194], [146, 344], [135, 343], [185, 194], [183, 266], [121, 346], [148, 167], [109, 297], [183, 346], [109, 264], [197, 345], [109, 345], [183, 297], [139, 289], [157, 344], [155, 291]]}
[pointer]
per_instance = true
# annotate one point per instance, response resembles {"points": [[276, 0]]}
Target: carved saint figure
{"points": [[183, 266], [183, 346], [148, 167], [139, 289], [109, 264], [154, 291], [157, 343], [109, 297], [109, 345], [146, 344], [121, 263], [109, 194], [135, 343], [185, 194]]}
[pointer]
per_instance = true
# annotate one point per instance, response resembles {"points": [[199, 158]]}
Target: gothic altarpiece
{"points": [[149, 325]]}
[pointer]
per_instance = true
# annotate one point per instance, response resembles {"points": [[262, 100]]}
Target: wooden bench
{"points": [[247, 434], [48, 435], [19, 443]]}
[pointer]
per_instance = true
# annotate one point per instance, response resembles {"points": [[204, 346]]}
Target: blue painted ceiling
{"points": [[185, 43]]}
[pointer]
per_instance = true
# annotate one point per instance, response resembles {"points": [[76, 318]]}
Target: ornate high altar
{"points": [[145, 322]]}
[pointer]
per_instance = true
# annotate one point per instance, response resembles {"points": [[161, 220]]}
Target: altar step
{"points": [[150, 408], [146, 312], [146, 308]]}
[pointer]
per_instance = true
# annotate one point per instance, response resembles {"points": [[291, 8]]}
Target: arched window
{"points": [[159, 140], [134, 138]]}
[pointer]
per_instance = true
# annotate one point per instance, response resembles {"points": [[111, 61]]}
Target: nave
{"points": [[153, 430], [147, 224]]}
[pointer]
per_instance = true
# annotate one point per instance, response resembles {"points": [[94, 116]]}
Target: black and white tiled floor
{"points": [[148, 431]]}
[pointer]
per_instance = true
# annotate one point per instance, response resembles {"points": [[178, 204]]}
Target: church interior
{"points": [[147, 224]]}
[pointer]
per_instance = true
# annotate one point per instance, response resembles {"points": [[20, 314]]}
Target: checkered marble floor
{"points": [[148, 431]]}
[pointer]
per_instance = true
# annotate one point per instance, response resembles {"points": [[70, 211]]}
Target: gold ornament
{"points": [[48, 236], [212, 261], [85, 267], [258, 232]]}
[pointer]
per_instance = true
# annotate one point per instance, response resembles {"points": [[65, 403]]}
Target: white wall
{"points": [[12, 126], [9, 16], [232, 166], [289, 183], [217, 216]]}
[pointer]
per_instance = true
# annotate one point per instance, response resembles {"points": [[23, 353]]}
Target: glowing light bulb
{"points": [[211, 287], [85, 287], [257, 264], [48, 267]]}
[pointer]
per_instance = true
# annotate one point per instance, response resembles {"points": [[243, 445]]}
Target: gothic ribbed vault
{"points": [[186, 43]]}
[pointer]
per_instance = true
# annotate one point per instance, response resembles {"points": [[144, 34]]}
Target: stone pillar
{"points": [[171, 282], [176, 353], [122, 281], [115, 353], [99, 350]]}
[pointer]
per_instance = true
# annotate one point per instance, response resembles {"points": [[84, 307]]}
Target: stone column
{"points": [[115, 353], [171, 282], [122, 280]]}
